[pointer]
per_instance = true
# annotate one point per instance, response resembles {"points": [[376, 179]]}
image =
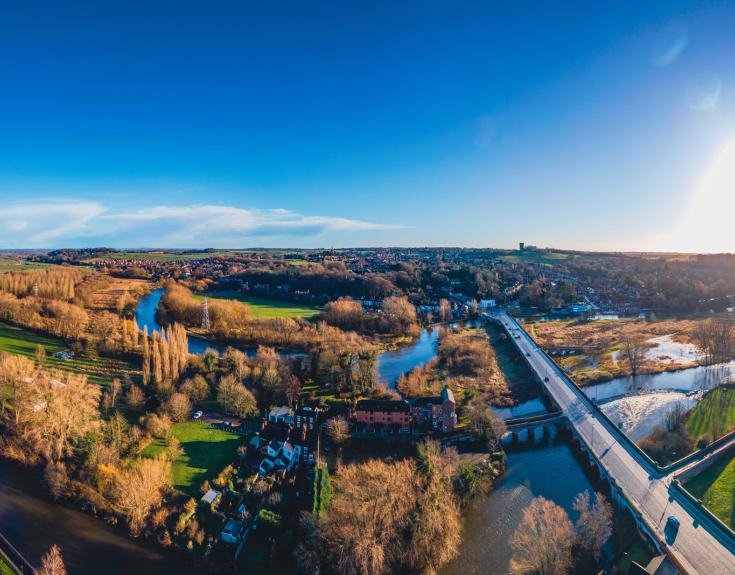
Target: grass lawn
{"points": [[714, 416], [99, 370], [262, 307], [715, 486], [206, 452], [5, 567]]}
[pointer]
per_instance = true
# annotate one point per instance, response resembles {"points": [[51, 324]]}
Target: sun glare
{"points": [[708, 227]]}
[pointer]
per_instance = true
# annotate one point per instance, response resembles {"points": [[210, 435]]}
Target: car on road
{"points": [[546, 379], [197, 414], [673, 522]]}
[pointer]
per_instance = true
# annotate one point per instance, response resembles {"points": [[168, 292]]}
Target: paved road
{"points": [[698, 547]]}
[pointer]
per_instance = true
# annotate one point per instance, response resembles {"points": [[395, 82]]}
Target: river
{"points": [[32, 523], [552, 472], [391, 364]]}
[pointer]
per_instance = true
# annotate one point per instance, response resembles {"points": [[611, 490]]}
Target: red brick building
{"points": [[380, 414], [436, 412]]}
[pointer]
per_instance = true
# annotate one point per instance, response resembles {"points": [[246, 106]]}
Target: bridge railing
{"points": [[19, 562], [723, 532], [700, 453], [633, 449]]}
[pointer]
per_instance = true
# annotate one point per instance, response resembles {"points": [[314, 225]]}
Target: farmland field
{"points": [[262, 307], [206, 451], [162, 256], [99, 370], [11, 265]]}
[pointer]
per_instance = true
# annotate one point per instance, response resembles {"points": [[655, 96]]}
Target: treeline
{"points": [[53, 419], [387, 517], [68, 255], [53, 283], [397, 317], [231, 321], [419, 281]]}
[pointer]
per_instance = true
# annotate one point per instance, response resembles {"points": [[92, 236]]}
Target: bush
{"points": [[269, 523]]}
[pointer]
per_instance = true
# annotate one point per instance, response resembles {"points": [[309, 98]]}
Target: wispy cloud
{"points": [[42, 223], [669, 45], [704, 93], [48, 224]]}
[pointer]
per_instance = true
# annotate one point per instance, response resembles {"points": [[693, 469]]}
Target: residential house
{"points": [[211, 499], [232, 531], [283, 414], [435, 412], [383, 414]]}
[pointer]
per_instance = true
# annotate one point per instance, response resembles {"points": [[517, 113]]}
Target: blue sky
{"points": [[588, 125]]}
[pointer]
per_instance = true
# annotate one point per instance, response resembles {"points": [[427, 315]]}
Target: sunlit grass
{"points": [[715, 486], [714, 416], [206, 451], [268, 308]]}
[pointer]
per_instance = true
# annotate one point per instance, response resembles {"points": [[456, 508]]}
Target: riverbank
{"points": [[553, 471], [591, 351], [32, 523]]}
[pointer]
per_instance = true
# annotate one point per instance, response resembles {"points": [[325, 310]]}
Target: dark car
{"points": [[673, 522]]}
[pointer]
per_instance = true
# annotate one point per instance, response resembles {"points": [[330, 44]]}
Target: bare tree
{"points": [[54, 409], [52, 563], [235, 398], [366, 521], [178, 407], [139, 490], [338, 430], [634, 351], [714, 337], [445, 311], [594, 525], [542, 542], [135, 397]]}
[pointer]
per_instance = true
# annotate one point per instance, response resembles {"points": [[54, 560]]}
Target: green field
{"points": [[11, 265], [163, 256], [262, 307], [206, 452], [538, 257], [715, 486], [99, 370], [714, 416]]}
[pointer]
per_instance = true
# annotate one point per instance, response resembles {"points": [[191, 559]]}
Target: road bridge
{"points": [[701, 545]]}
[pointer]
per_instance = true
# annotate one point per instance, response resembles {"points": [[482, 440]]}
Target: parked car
{"points": [[197, 414]]}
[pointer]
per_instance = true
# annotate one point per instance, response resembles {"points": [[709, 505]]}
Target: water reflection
{"points": [[552, 472], [700, 378], [393, 364]]}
